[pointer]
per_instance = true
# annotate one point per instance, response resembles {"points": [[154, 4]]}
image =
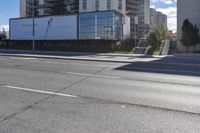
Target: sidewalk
{"points": [[106, 57], [56, 53]]}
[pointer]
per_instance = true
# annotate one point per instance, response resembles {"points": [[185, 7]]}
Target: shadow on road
{"points": [[166, 65]]}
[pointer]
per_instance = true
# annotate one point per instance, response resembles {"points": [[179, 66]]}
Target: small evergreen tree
{"points": [[190, 35], [195, 37], [185, 34]]}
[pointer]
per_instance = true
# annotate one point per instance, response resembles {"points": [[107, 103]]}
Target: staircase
{"points": [[141, 48]]}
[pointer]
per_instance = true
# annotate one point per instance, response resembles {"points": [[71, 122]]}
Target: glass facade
{"points": [[101, 25]]}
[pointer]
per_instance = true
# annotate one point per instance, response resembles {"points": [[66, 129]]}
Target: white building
{"points": [[187, 9]]}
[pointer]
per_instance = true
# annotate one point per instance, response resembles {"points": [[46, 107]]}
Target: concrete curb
{"points": [[59, 53], [131, 55], [63, 58]]}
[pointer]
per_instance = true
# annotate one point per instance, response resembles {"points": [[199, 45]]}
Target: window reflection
{"points": [[100, 25]]}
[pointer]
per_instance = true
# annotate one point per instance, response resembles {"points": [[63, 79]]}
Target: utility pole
{"points": [[33, 15]]}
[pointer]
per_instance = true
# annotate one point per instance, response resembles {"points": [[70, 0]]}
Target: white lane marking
{"points": [[39, 91], [86, 74], [93, 75], [2, 59], [164, 70]]}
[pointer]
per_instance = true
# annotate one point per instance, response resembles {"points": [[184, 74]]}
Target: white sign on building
{"points": [[46, 28]]}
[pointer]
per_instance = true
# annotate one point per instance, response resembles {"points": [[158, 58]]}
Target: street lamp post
{"points": [[33, 33], [135, 34], [135, 28]]}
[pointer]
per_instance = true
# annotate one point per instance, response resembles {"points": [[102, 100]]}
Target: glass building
{"points": [[101, 25]]}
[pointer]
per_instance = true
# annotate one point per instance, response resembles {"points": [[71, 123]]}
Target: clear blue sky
{"points": [[10, 9]]}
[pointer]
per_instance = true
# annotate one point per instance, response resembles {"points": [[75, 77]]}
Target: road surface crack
{"points": [[13, 115]]}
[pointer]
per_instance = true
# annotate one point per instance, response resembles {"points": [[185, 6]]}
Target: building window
{"points": [[100, 25], [29, 7], [109, 4], [52, 7], [97, 5], [84, 4], [119, 4]]}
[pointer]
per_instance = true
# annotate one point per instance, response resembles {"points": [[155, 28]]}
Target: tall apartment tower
{"points": [[153, 18], [161, 18], [22, 8], [48, 7], [143, 18], [52, 7], [102, 5], [156, 18], [132, 7], [187, 9]]}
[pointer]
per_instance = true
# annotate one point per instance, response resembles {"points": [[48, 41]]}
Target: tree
{"points": [[3, 35], [161, 31], [195, 36], [155, 37], [185, 34], [152, 41], [190, 35]]}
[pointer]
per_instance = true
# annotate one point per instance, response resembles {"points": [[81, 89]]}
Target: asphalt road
{"points": [[65, 96]]}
